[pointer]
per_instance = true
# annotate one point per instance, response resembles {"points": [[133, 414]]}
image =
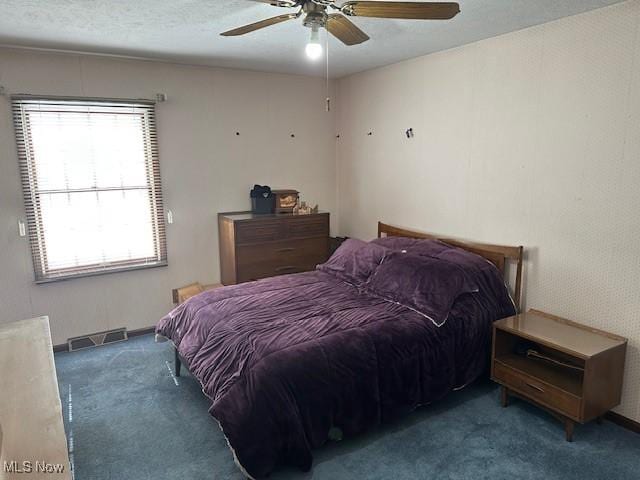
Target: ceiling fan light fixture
{"points": [[338, 25], [314, 48]]}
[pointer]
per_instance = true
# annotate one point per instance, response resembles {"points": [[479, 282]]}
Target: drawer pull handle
{"points": [[535, 387], [286, 269], [286, 249]]}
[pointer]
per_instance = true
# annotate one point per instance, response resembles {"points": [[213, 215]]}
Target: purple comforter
{"points": [[286, 359]]}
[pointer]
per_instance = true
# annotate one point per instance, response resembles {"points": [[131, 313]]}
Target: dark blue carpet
{"points": [[129, 420]]}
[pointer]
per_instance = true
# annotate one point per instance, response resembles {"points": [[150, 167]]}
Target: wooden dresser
{"points": [[572, 370], [255, 246]]}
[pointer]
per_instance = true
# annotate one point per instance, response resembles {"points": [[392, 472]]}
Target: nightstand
{"points": [[573, 371]]}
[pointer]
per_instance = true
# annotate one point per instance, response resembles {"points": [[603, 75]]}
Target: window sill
{"points": [[72, 276]]}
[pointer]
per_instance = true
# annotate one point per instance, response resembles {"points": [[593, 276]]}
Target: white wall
{"points": [[531, 138], [205, 169]]}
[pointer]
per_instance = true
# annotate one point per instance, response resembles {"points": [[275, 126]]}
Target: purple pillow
{"points": [[427, 285], [420, 246], [354, 261], [479, 271], [490, 281], [395, 243]]}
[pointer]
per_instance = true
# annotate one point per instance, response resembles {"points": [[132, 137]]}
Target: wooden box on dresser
{"points": [[255, 246], [572, 370]]}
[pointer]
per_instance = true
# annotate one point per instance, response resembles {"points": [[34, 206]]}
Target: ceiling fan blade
{"points": [[279, 3], [258, 25], [345, 30], [409, 10]]}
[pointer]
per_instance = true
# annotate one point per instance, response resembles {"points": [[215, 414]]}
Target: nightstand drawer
{"points": [[534, 389]]}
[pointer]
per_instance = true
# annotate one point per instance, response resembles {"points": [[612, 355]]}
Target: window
{"points": [[91, 181]]}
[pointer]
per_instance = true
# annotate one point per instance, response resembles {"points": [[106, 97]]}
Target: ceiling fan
{"points": [[316, 17]]}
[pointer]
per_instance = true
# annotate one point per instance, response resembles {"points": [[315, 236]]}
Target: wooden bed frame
{"points": [[499, 255]]}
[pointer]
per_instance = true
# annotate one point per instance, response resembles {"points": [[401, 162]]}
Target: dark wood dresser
{"points": [[572, 370], [254, 246]]}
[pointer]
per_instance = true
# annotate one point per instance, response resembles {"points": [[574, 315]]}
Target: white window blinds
{"points": [[91, 181]]}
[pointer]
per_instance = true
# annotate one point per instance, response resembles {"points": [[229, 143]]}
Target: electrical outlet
{"points": [[22, 229]]}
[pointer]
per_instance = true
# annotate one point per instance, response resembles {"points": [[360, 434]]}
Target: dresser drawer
{"points": [[284, 252], [305, 227], [536, 390], [256, 271], [257, 232]]}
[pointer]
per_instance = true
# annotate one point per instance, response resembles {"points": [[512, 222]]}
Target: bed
{"points": [[291, 362]]}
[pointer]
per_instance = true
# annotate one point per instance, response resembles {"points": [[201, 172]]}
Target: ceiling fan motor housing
{"points": [[316, 15]]}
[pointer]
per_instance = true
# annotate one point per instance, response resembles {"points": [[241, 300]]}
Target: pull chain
{"points": [[327, 61]]}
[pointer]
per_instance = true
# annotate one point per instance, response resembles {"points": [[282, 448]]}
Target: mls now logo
{"points": [[32, 467]]}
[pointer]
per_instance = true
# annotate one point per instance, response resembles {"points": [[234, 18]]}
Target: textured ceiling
{"points": [[187, 31]]}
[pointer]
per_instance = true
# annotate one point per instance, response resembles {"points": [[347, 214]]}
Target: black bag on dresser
{"points": [[262, 200]]}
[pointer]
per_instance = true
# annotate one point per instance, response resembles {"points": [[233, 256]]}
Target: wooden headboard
{"points": [[499, 255]]}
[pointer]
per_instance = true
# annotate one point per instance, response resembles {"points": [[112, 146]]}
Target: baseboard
{"points": [[141, 331], [623, 421], [64, 347]]}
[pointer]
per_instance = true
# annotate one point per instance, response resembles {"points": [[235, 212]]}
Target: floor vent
{"points": [[97, 339]]}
